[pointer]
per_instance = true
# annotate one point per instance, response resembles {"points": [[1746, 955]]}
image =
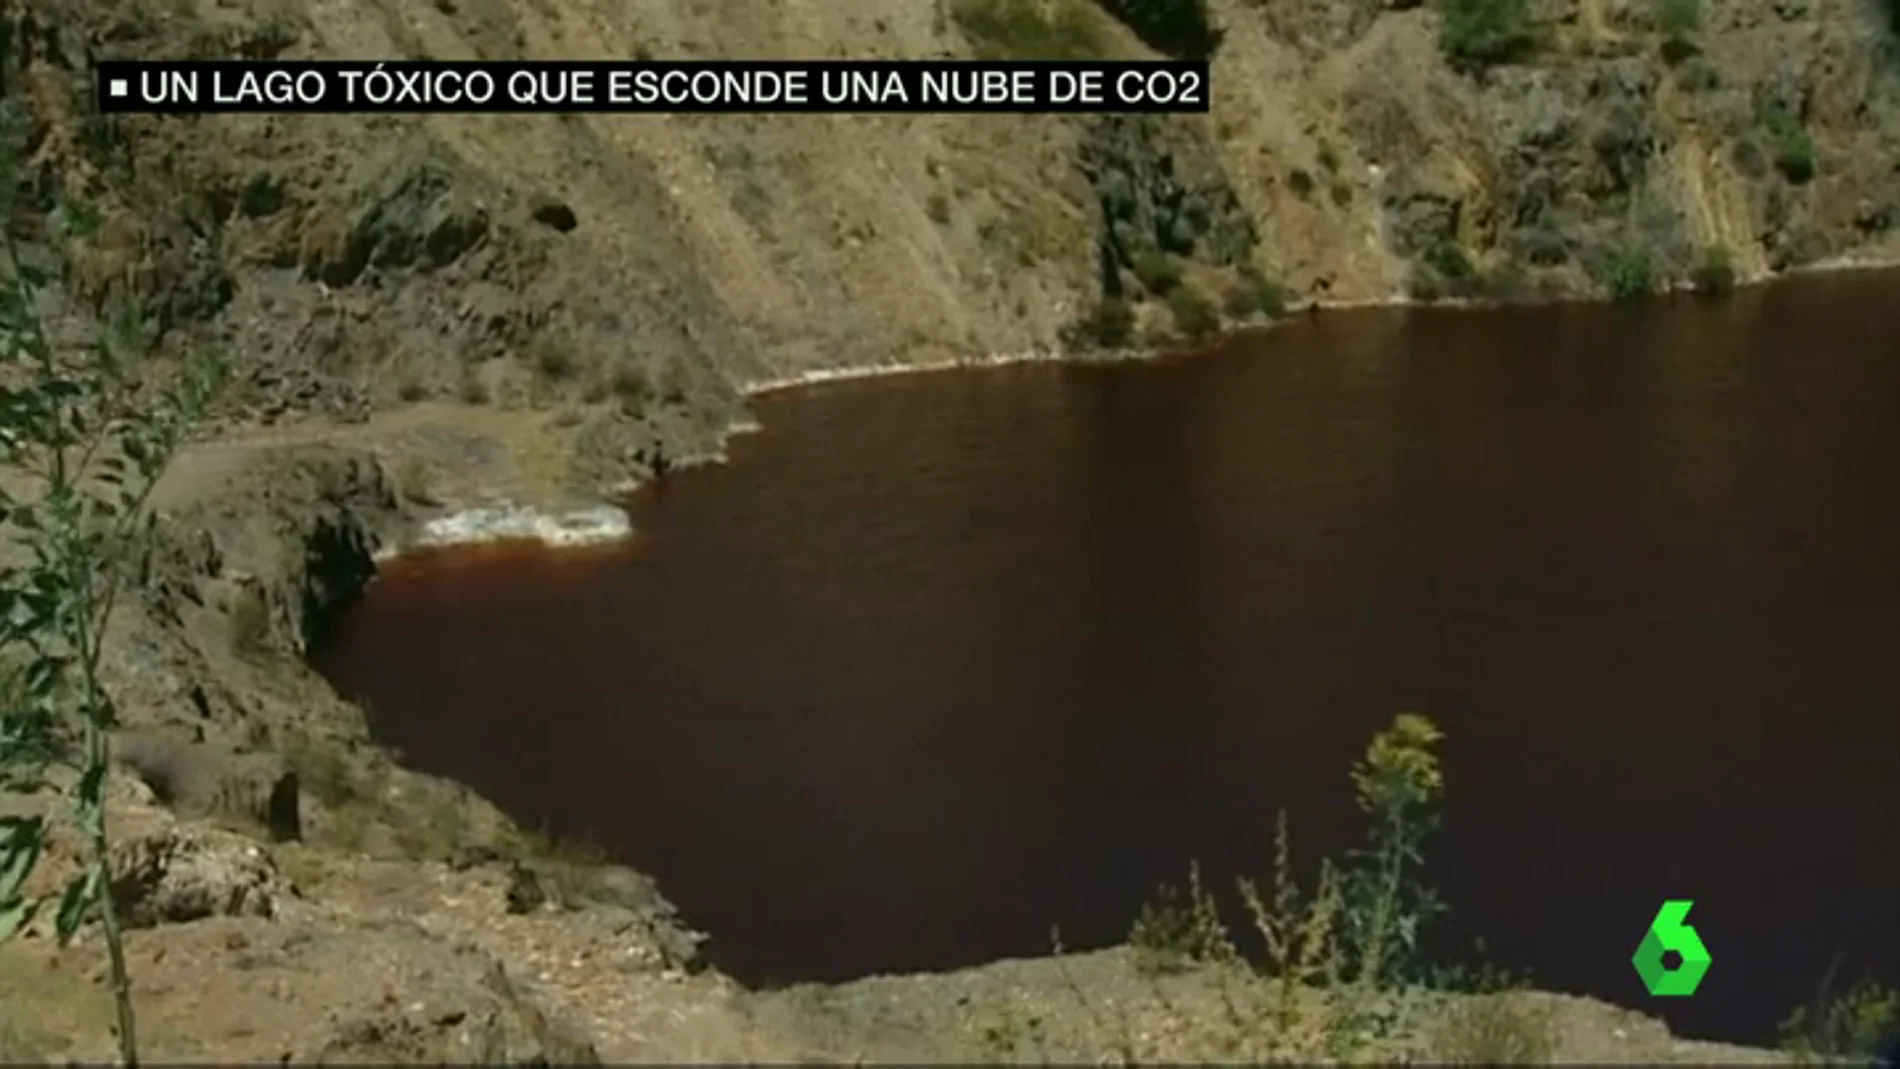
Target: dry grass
{"points": [[253, 633], [568, 866], [323, 768], [1502, 1028], [1031, 29], [1335, 980]]}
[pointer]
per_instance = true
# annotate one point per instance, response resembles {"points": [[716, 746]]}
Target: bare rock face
{"points": [[466, 1012], [188, 873], [201, 779]]}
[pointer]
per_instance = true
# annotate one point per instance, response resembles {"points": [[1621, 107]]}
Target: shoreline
{"points": [[1401, 301], [606, 523]]}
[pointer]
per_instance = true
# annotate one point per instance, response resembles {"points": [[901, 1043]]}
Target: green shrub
{"points": [[1351, 932], [1398, 785], [1677, 50], [1503, 282], [1450, 261], [1542, 244], [1790, 146], [1255, 295], [555, 362], [1179, 929], [1849, 1028], [1794, 153], [1698, 76], [1157, 271], [1678, 18], [1194, 314], [1029, 29], [1714, 273], [632, 385], [1109, 325], [1301, 182], [1447, 270], [1181, 28], [474, 391], [1481, 33], [90, 429], [1630, 274]]}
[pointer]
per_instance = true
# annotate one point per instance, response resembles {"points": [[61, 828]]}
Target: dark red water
{"points": [[938, 662]]}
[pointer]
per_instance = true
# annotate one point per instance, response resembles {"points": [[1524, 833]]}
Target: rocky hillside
{"points": [[425, 311], [650, 268]]}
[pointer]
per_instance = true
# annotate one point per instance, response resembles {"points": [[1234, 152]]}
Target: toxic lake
{"points": [[938, 662]]}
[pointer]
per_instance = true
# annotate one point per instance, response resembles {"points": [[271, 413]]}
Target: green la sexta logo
{"points": [[1666, 933]]}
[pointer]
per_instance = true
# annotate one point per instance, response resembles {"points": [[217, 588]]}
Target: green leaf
{"points": [[74, 903], [92, 785], [79, 219], [45, 672], [24, 838], [19, 829], [15, 914]]}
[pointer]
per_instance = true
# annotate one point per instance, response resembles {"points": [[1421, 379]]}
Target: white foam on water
{"points": [[509, 522], [819, 376]]}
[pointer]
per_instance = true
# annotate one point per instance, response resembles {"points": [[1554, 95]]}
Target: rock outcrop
{"points": [[648, 268], [206, 780], [187, 873]]}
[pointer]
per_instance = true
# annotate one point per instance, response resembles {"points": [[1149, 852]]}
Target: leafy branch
{"points": [[84, 440]]}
